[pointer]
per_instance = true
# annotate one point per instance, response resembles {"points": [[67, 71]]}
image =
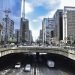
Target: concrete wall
{"points": [[64, 52]]}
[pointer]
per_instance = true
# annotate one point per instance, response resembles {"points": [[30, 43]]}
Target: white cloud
{"points": [[34, 20], [28, 8], [35, 31], [61, 6], [44, 2], [49, 4], [35, 34], [50, 14], [38, 20], [67, 3]]}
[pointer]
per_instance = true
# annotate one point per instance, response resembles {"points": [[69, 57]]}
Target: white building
{"points": [[8, 29], [47, 27], [69, 24]]}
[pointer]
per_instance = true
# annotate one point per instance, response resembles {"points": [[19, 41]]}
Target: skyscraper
{"points": [[30, 37], [24, 24], [8, 29], [1, 27], [47, 27], [17, 35], [24, 28], [41, 36], [69, 24], [58, 21]]}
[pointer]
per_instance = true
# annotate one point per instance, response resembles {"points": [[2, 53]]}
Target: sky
{"points": [[35, 11]]}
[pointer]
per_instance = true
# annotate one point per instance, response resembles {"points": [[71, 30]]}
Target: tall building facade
{"points": [[44, 30], [30, 37], [41, 36], [24, 25], [58, 22], [61, 27], [1, 27], [8, 29], [17, 35], [47, 27], [69, 24], [51, 28], [24, 30]]}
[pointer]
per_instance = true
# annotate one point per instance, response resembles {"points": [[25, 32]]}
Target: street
{"points": [[63, 66], [42, 70]]}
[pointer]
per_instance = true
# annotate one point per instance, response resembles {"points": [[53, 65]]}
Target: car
{"points": [[18, 65], [50, 64], [25, 44], [27, 68]]}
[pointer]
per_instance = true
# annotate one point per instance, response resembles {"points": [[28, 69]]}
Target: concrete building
{"points": [[17, 35], [24, 25], [8, 29], [69, 24], [47, 27], [12, 28], [30, 37], [41, 36], [58, 22], [24, 30], [44, 30], [1, 32], [51, 28]]}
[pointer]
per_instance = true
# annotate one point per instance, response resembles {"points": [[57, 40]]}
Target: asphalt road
{"points": [[49, 71], [17, 72], [63, 66], [42, 70]]}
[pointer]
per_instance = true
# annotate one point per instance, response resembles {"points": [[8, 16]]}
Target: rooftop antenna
{"points": [[23, 9], [6, 8], [7, 11]]}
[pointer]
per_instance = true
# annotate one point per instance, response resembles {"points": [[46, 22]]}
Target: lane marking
{"points": [[32, 71], [5, 71]]}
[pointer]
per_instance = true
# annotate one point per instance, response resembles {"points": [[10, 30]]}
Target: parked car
{"points": [[18, 65], [27, 68]]}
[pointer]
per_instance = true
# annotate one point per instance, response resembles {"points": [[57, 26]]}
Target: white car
{"points": [[18, 65], [27, 68], [51, 63]]}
